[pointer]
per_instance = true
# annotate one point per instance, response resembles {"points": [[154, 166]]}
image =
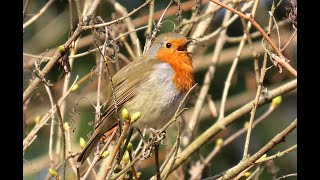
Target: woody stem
{"points": [[282, 59], [125, 129]]}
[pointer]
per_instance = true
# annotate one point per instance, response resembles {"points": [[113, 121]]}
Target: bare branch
{"points": [[248, 162], [248, 17], [30, 137], [42, 10], [217, 127], [206, 84]]}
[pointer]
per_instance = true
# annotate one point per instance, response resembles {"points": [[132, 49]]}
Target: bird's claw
{"points": [[157, 138]]}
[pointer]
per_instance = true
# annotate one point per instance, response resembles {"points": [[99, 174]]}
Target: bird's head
{"points": [[168, 44], [172, 48]]}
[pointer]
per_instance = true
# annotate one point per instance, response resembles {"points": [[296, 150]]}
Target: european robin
{"points": [[153, 85]]}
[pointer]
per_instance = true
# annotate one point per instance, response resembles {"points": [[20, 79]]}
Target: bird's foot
{"points": [[157, 136]]}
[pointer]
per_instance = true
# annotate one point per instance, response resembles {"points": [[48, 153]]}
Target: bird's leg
{"points": [[156, 155], [156, 137]]}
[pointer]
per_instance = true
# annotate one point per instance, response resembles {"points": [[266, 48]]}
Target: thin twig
{"points": [[32, 134], [62, 163], [113, 155], [235, 63], [285, 46], [241, 174], [34, 83], [190, 129], [202, 27], [139, 147], [155, 30], [35, 17], [212, 106], [102, 58], [96, 49], [63, 137], [248, 17], [63, 105], [288, 175], [211, 10], [134, 172], [248, 162], [186, 6], [176, 149], [150, 20], [25, 7], [57, 55], [255, 172], [217, 127], [277, 28], [217, 149], [166, 161], [126, 44], [256, 34], [51, 128], [128, 22], [70, 16], [254, 53], [117, 20], [98, 155], [279, 154], [227, 24], [259, 90], [78, 6], [69, 147], [205, 15]]}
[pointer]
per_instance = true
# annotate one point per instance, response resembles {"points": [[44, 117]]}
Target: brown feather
{"points": [[125, 82]]}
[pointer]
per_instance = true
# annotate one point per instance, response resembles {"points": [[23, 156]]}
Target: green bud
{"points": [[37, 119], [125, 114], [126, 157], [66, 126], [219, 142], [135, 117], [262, 157], [53, 172], [277, 101], [247, 174], [105, 154], [74, 87], [129, 147], [62, 49], [82, 143]]}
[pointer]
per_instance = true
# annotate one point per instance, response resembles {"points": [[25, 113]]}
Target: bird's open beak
{"points": [[184, 46]]}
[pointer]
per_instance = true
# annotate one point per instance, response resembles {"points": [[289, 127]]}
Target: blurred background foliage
{"points": [[52, 29]]}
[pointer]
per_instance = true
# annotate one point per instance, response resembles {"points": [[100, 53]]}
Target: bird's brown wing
{"points": [[125, 83]]}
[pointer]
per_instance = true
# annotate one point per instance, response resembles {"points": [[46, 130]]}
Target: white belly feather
{"points": [[158, 98]]}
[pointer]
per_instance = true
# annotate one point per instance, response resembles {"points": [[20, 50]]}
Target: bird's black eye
{"points": [[168, 45]]}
